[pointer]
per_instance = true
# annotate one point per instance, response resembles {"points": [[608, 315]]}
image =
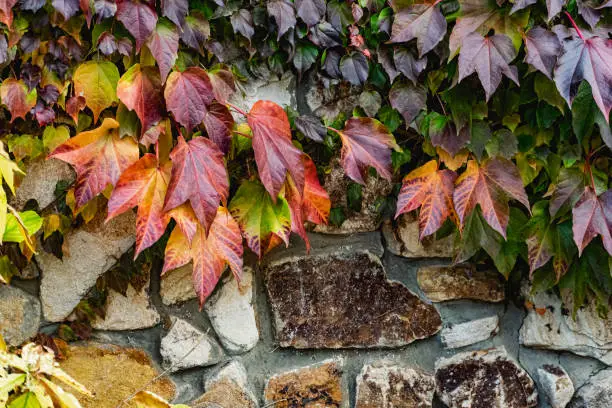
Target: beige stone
{"points": [[19, 315], [404, 240], [440, 283], [40, 180], [176, 286]]}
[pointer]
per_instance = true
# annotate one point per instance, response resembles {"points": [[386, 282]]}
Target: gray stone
{"points": [[131, 312], [327, 101], [587, 320], [556, 385], [441, 283], [280, 90], [344, 300], [484, 379], [404, 240], [472, 332], [29, 272], [385, 384], [550, 329], [90, 251], [232, 315], [596, 393], [40, 180], [185, 346], [19, 315], [177, 286]]}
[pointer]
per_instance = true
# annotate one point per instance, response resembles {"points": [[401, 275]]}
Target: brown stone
{"points": [[384, 384], [440, 283], [484, 379], [113, 374], [403, 240], [344, 300], [224, 393], [317, 386]]}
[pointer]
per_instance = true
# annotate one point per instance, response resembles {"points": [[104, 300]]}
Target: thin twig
{"points": [[273, 403]]}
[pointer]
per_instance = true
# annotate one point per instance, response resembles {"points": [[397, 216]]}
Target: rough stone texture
{"points": [[484, 379], [229, 387], [91, 251], [384, 384], [40, 180], [29, 272], [176, 286], [368, 219], [472, 332], [328, 102], [280, 90], [551, 329], [113, 373], [556, 385], [19, 315], [131, 312], [440, 283], [587, 320], [596, 393], [316, 386], [344, 300], [185, 346], [232, 314], [404, 240]]}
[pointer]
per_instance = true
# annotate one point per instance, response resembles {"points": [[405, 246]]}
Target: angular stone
{"points": [[40, 180], [440, 283], [366, 220], [232, 315], [19, 315], [315, 386], [114, 373], [131, 312], [176, 286], [556, 385], [548, 327], [344, 300], [278, 90], [472, 332], [596, 393], [185, 346], [385, 384], [587, 320], [228, 388], [484, 379], [404, 240], [91, 251]]}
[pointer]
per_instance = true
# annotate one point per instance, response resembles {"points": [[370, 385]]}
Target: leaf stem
{"points": [[243, 135], [574, 24], [332, 129], [237, 109]]}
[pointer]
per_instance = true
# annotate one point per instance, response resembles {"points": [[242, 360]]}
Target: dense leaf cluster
{"points": [[497, 111]]}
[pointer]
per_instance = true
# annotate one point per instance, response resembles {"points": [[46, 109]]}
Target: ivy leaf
{"points": [[140, 90], [96, 81], [542, 48], [175, 10], [354, 68], [17, 98], [196, 30], [261, 221], [366, 142], [586, 59], [143, 184], [311, 11], [188, 95], [222, 82], [443, 133], [569, 188], [305, 55], [219, 123], [186, 220], [99, 157], [408, 100], [283, 12], [198, 176], [242, 22], [424, 22], [164, 44], [476, 234], [6, 12], [275, 155], [8, 168], [75, 105], [67, 8], [490, 185], [431, 190], [311, 127], [489, 58], [138, 18], [408, 65], [592, 216], [554, 7]]}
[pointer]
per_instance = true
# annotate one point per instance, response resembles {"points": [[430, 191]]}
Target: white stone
{"points": [[185, 346], [232, 314], [278, 90], [556, 385], [596, 393], [177, 286], [19, 315], [404, 241], [474, 331], [550, 330], [40, 180], [90, 251], [587, 320], [131, 312]]}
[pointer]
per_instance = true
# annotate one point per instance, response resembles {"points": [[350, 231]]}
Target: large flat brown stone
{"points": [[440, 283], [344, 300]]}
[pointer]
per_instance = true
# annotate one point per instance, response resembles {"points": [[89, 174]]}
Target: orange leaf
{"points": [[17, 98], [185, 219]]}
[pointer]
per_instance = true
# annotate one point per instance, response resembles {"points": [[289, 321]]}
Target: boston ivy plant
{"points": [[496, 111]]}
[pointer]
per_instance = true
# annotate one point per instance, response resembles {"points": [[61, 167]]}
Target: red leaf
{"points": [[188, 95], [592, 216], [140, 90], [185, 219], [6, 12], [74, 105], [218, 123], [222, 82], [17, 98], [138, 18], [164, 44]]}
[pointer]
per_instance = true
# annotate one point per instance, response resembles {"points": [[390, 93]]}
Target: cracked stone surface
{"points": [[344, 300], [556, 385], [596, 393], [386, 384], [19, 315], [40, 180], [484, 379], [403, 240], [471, 332], [441, 283]]}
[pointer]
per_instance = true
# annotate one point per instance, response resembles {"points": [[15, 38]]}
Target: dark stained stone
{"points": [[484, 379], [316, 386], [384, 384], [440, 283], [344, 300]]}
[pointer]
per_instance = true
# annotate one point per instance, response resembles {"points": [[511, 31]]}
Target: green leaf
{"points": [[305, 55], [27, 400], [25, 146], [546, 91], [13, 233], [55, 136]]}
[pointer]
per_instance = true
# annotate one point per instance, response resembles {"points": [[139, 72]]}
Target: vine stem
{"points": [[574, 24], [237, 109], [243, 134]]}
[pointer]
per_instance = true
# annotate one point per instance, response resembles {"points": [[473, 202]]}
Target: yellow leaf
{"points": [[8, 168], [97, 81]]}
